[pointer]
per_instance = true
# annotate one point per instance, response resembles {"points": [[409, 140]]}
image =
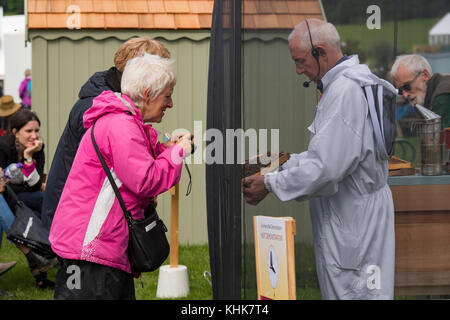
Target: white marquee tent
{"points": [[440, 33], [15, 57]]}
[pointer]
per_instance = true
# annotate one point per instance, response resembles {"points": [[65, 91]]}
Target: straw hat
{"points": [[8, 106]]}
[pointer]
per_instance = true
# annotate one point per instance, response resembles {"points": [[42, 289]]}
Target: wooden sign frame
{"points": [[275, 259]]}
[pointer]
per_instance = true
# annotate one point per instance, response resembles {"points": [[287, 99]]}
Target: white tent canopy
{"points": [[15, 57], [440, 33]]}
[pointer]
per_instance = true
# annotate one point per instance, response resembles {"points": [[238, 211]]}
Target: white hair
{"points": [[322, 33], [147, 71], [414, 62]]}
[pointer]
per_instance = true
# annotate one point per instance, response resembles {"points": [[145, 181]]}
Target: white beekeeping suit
{"points": [[351, 204]]}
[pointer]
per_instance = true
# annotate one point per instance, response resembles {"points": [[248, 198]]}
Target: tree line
{"points": [[12, 7], [354, 11]]}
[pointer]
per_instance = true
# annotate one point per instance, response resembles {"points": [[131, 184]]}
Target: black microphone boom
{"points": [[306, 83]]}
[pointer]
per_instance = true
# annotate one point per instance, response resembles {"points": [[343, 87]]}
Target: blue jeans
{"points": [[6, 217]]}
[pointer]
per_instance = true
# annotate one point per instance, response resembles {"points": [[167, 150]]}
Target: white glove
{"points": [[176, 136]]}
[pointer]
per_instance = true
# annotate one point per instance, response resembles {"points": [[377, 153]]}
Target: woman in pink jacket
{"points": [[89, 232]]}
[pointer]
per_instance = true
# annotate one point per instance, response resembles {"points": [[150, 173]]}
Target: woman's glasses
{"points": [[407, 85]]}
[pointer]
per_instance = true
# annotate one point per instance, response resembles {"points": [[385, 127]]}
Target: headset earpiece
{"points": [[314, 51]]}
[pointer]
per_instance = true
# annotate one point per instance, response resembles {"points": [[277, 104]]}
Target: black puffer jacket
{"points": [[71, 137]]}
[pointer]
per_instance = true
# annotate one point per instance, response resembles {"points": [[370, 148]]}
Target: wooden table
{"points": [[422, 234]]}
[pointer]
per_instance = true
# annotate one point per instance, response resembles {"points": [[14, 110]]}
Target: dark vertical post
{"points": [[395, 27], [222, 179]]}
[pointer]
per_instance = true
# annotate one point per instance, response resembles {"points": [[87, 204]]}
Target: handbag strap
{"points": [[111, 179], [11, 194]]}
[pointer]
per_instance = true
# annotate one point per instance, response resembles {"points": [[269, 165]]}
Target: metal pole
{"points": [[395, 28]]}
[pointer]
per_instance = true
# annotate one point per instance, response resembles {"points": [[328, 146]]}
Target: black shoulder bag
{"points": [[147, 244], [27, 228]]}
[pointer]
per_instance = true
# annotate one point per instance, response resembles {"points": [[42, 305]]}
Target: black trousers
{"points": [[83, 280]]}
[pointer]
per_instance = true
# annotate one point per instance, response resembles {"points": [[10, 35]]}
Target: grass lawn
{"points": [[20, 281]]}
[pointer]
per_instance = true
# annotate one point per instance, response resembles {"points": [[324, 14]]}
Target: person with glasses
{"points": [[412, 75]]}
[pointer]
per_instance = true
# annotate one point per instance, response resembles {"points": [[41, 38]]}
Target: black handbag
{"points": [[148, 247], [27, 228]]}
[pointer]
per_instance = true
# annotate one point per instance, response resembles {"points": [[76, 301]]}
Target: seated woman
{"points": [[21, 145], [89, 231], [38, 264]]}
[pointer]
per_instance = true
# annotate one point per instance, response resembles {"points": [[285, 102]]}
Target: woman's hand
{"points": [[28, 152], [186, 143], [170, 141]]}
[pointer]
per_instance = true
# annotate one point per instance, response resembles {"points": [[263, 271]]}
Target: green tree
{"points": [[354, 11], [12, 7], [382, 56]]}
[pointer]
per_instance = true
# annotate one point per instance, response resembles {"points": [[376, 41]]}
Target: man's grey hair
{"points": [[322, 33], [414, 62], [147, 71]]}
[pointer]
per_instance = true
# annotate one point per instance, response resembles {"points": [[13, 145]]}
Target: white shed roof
{"points": [[442, 27]]}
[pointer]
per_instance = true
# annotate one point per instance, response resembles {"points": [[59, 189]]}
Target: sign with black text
{"points": [[275, 261]]}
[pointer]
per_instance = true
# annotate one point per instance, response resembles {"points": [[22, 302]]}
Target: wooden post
{"points": [[174, 226], [291, 230]]}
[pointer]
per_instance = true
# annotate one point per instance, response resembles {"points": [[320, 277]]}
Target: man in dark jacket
{"points": [[412, 75], [74, 130]]}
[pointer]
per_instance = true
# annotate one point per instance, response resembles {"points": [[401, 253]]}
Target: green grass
{"points": [[196, 259], [20, 281]]}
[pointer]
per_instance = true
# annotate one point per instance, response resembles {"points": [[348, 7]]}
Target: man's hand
{"points": [[254, 189]]}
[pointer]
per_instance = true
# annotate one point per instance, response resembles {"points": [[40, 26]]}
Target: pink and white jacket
{"points": [[89, 223]]}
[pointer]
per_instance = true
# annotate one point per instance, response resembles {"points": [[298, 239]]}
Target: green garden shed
{"points": [[72, 39]]}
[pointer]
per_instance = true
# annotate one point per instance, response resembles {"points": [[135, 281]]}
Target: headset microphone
{"points": [[315, 53]]}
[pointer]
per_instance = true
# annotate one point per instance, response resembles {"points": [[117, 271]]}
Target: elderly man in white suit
{"points": [[342, 173]]}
